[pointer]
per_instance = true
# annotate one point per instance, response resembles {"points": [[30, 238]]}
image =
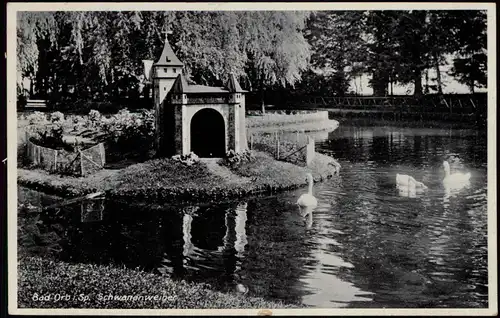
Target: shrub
{"points": [[234, 158], [188, 159], [126, 133], [37, 118], [51, 137], [94, 115], [131, 130], [57, 117]]}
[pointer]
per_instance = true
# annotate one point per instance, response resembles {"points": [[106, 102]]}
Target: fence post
{"points": [[81, 162], [55, 160], [103, 154], [39, 154], [277, 146], [310, 152], [251, 142]]}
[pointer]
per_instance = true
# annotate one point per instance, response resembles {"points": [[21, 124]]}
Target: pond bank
{"points": [[167, 179], [290, 121], [103, 286]]}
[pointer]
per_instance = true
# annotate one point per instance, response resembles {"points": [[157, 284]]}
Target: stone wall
{"points": [[272, 118]]}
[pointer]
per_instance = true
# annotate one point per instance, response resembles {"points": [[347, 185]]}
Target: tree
{"points": [[32, 27], [470, 61], [338, 45], [276, 49], [384, 58]]}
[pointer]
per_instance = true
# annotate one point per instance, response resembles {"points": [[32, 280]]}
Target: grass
{"points": [[166, 179], [264, 170], [87, 286]]}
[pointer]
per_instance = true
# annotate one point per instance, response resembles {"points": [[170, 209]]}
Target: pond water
{"points": [[367, 244]]}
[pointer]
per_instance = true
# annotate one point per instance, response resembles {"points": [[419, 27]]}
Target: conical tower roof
{"points": [[168, 57], [180, 85], [233, 85]]}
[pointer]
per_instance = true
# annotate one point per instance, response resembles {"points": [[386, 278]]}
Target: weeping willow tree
{"points": [[31, 28], [276, 49], [98, 54]]}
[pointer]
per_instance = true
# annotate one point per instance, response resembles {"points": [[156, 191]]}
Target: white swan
{"points": [[307, 199], [409, 190], [455, 180], [404, 180]]}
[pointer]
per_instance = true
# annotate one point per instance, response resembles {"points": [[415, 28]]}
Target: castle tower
{"points": [[163, 74], [238, 113]]}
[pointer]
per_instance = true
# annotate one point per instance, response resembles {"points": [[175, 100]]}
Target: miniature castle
{"points": [[208, 121]]}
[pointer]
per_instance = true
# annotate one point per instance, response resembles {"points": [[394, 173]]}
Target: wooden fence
{"points": [[296, 148], [80, 162]]}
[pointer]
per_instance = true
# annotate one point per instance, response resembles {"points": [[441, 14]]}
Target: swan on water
{"points": [[455, 179], [409, 190], [403, 180], [307, 199]]}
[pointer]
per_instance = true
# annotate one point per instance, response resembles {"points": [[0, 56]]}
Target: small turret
{"points": [[178, 90], [234, 88]]}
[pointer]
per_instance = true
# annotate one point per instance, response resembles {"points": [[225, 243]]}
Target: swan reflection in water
{"points": [[409, 191], [453, 183], [306, 212], [240, 243]]}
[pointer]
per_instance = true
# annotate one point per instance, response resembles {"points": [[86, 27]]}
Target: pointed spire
{"points": [[168, 57], [180, 85], [233, 85]]}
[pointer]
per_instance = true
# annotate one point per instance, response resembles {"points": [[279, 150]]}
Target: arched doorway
{"points": [[208, 135]]}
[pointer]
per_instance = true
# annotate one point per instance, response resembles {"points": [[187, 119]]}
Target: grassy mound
{"points": [[164, 179], [93, 286]]}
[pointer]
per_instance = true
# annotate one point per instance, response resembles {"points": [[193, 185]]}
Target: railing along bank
{"points": [[429, 103]]}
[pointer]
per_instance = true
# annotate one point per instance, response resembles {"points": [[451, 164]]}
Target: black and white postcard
{"points": [[252, 158]]}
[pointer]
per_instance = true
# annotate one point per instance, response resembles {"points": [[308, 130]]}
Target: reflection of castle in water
{"points": [[206, 240], [92, 210]]}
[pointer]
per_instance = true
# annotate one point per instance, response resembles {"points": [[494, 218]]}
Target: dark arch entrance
{"points": [[208, 136]]}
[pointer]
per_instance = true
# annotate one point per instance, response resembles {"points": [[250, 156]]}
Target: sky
{"points": [[450, 85]]}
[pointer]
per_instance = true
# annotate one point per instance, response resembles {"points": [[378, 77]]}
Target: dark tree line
{"points": [[98, 55], [399, 46]]}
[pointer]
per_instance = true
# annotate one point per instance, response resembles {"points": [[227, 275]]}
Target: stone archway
{"points": [[208, 134]]}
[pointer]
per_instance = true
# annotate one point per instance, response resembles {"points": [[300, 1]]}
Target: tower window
{"points": [[165, 69], [175, 70]]}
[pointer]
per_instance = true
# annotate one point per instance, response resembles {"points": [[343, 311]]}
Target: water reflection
{"points": [[306, 212], [241, 236], [186, 235], [92, 210], [407, 191], [366, 244]]}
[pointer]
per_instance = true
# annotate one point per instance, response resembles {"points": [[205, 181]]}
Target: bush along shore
{"points": [[111, 287], [187, 180]]}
